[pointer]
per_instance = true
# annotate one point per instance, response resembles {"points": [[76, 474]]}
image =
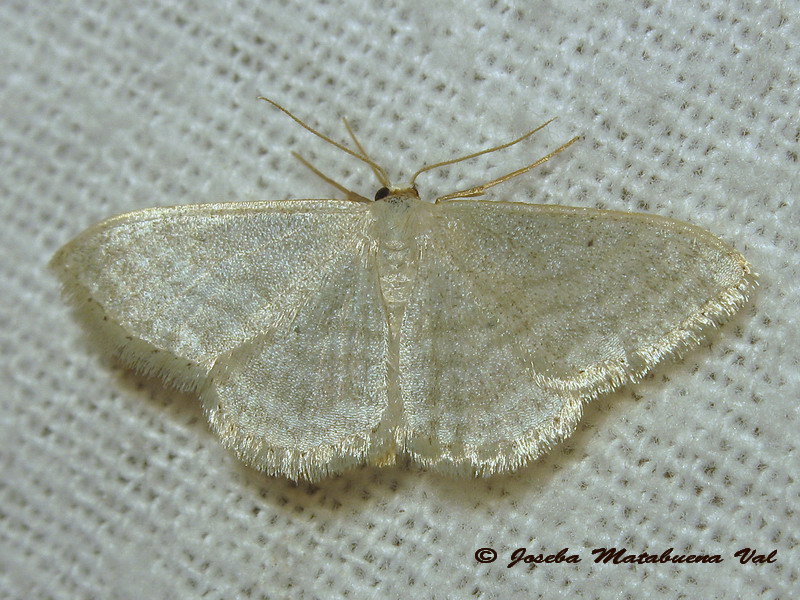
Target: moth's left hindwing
{"points": [[524, 312]]}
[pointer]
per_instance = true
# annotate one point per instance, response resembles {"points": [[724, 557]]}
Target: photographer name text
{"points": [[621, 556]]}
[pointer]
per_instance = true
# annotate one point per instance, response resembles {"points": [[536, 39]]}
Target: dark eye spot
{"points": [[381, 193]]}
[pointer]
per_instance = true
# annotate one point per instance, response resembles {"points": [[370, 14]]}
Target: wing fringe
{"points": [[110, 337]]}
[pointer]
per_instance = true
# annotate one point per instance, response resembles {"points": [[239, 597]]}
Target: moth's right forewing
{"points": [[171, 289]]}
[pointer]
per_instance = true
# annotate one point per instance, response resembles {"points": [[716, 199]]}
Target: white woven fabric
{"points": [[114, 487]]}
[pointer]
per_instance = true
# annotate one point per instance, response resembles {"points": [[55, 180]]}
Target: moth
{"points": [[465, 335]]}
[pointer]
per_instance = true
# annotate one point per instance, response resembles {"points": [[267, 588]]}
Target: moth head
{"points": [[393, 194]]}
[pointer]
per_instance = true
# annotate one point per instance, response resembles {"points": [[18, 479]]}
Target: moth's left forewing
{"points": [[524, 312]]}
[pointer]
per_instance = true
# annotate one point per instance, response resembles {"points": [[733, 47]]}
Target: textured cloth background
{"points": [[113, 487]]}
